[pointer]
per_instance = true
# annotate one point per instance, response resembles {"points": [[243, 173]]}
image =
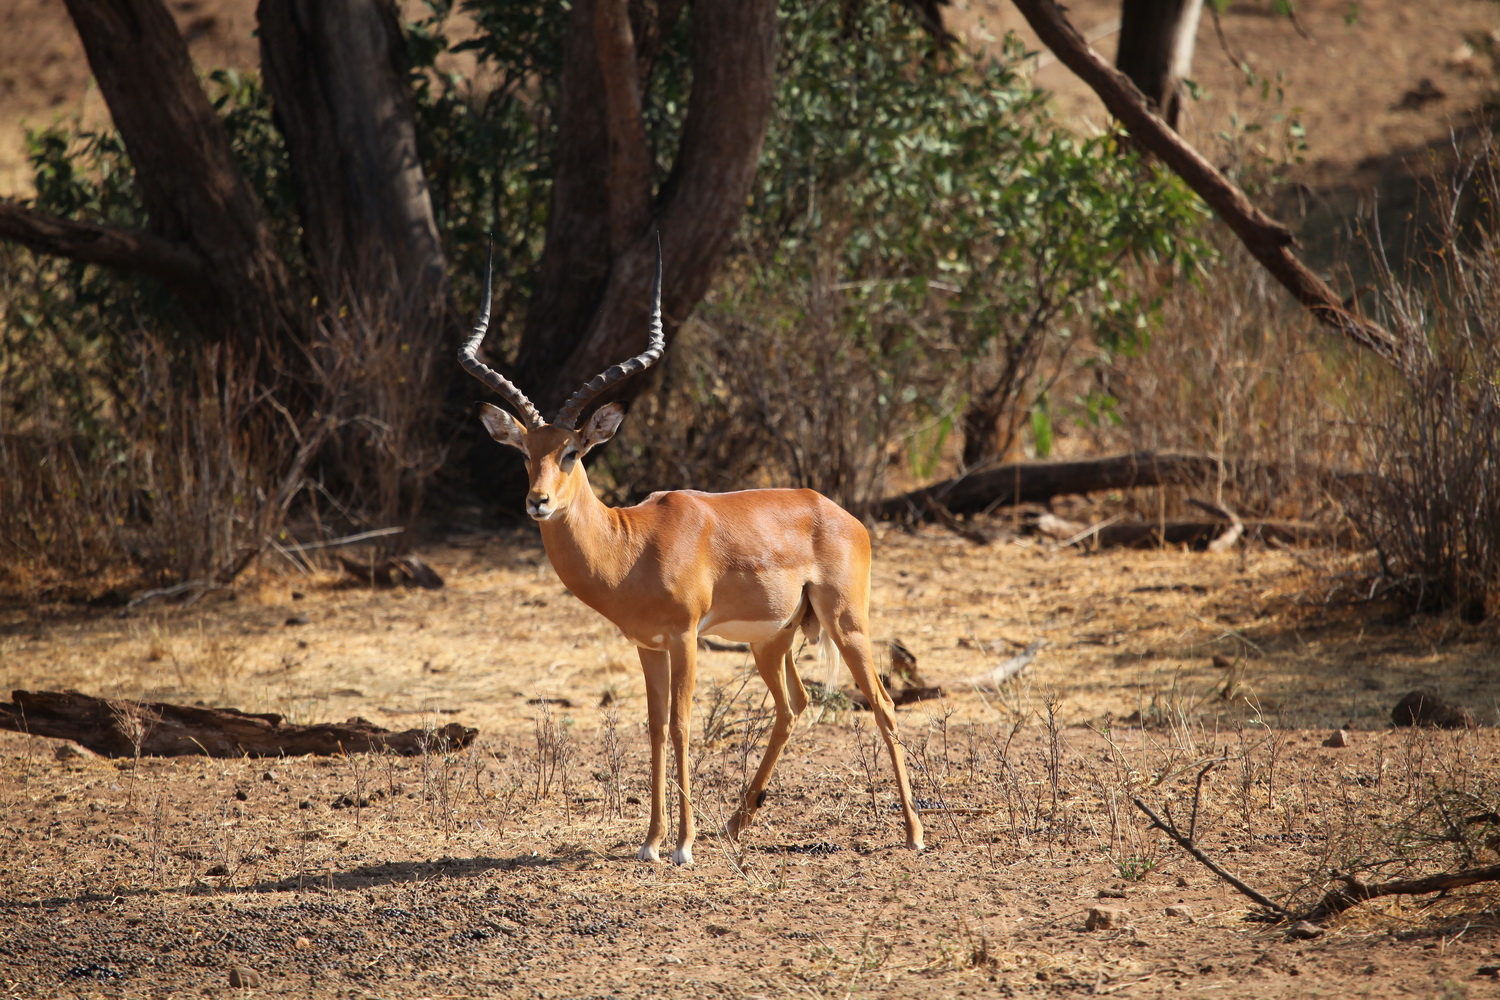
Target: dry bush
{"points": [[771, 386], [1235, 369], [179, 475], [148, 460], [1430, 504]]}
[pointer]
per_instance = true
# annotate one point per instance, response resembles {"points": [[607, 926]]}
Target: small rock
{"points": [[1222, 662], [243, 979], [268, 776], [298, 619], [1304, 930], [1179, 910], [1493, 971], [241, 794], [1423, 708], [305, 804], [1339, 738], [1182, 882], [1103, 918], [115, 840], [72, 751], [670, 959], [217, 870], [1111, 894]]}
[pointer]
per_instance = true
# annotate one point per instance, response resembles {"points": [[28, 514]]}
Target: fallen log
{"points": [[1197, 535], [1352, 891], [1037, 482], [122, 728]]}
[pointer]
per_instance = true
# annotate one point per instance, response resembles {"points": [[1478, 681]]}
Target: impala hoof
{"points": [[648, 853], [682, 856], [916, 845]]}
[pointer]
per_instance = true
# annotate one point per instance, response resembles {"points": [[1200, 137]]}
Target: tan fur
{"points": [[686, 562]]}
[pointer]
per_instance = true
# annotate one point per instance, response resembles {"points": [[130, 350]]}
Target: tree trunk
{"points": [[193, 193], [1156, 50], [337, 73], [592, 293]]}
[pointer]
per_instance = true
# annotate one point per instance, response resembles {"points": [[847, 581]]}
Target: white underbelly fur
{"points": [[751, 632]]}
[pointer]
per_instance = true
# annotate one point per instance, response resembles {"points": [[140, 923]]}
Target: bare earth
{"points": [[509, 868]]}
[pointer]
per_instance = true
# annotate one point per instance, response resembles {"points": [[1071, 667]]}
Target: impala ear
{"points": [[602, 425], [502, 426]]}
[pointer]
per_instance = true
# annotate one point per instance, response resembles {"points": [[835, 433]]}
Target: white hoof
{"points": [[916, 845], [648, 853], [682, 856]]}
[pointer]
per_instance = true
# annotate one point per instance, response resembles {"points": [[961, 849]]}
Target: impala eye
{"points": [[569, 456]]}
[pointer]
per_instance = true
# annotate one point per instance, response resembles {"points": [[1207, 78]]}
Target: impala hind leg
{"points": [[849, 624], [791, 699], [657, 668]]}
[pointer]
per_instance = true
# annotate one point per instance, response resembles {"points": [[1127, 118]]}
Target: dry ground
{"points": [[509, 869]]}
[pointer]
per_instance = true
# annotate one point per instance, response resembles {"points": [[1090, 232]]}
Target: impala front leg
{"points": [[684, 670], [658, 672]]}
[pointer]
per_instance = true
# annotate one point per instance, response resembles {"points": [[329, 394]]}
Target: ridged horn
{"points": [[573, 408], [468, 356]]}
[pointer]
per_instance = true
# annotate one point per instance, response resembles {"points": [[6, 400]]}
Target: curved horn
{"points": [[468, 357], [573, 408]]}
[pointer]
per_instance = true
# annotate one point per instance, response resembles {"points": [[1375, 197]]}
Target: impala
{"points": [[753, 567]]}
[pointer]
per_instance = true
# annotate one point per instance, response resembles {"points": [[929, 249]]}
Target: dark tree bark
{"points": [[337, 73], [194, 195], [595, 276], [1156, 50]]}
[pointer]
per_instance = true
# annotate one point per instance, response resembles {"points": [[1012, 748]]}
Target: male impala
{"points": [[751, 567]]}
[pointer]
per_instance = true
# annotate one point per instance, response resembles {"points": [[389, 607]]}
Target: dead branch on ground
{"points": [[122, 728], [1353, 891]]}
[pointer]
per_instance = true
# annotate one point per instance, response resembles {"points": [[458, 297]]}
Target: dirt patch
{"points": [[509, 868]]}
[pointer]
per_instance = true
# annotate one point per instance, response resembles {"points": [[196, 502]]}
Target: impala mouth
{"points": [[541, 511]]}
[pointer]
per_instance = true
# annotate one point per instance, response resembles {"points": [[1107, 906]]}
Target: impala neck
{"points": [[586, 541]]}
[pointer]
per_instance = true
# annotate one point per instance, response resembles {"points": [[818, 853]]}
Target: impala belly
{"points": [[751, 632]]}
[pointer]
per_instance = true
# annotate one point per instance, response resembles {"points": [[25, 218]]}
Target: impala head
{"points": [[553, 448]]}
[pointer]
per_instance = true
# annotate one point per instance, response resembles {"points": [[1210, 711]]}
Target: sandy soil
{"points": [[508, 869]]}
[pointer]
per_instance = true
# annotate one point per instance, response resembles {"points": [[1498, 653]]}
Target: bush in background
{"points": [[1430, 503]]}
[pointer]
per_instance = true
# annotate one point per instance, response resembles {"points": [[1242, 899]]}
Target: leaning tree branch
{"points": [[1266, 239], [128, 249]]}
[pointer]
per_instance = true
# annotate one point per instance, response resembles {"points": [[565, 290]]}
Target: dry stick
{"points": [[1266, 239], [1336, 901], [1187, 845]]}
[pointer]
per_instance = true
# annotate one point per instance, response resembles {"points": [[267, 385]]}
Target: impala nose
{"points": [[539, 505]]}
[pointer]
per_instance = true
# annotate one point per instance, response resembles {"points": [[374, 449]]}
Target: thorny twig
{"points": [[1186, 843]]}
